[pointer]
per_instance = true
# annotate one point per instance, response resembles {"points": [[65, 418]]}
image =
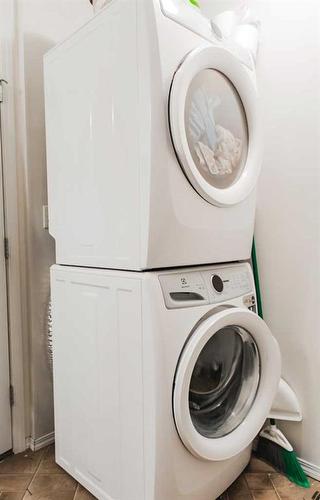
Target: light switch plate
{"points": [[45, 217]]}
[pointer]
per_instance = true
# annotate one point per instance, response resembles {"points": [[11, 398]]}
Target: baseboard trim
{"points": [[41, 442], [310, 469], [37, 444]]}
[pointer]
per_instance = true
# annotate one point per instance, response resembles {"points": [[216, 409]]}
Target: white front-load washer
{"points": [[161, 379], [153, 140]]}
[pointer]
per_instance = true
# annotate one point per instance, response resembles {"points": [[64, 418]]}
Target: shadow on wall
{"points": [[35, 47], [40, 245]]}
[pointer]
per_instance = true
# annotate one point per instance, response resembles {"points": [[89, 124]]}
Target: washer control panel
{"points": [[209, 286], [184, 289]]}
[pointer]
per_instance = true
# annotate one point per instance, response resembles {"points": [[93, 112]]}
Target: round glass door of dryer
{"points": [[225, 382], [216, 128], [215, 125]]}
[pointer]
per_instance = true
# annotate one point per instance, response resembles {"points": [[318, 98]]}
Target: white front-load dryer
{"points": [[153, 140], [161, 379]]}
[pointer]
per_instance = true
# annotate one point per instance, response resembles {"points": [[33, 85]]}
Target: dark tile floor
{"points": [[36, 476], [261, 482]]}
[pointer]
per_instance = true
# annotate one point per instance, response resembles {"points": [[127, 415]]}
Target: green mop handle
{"points": [[256, 278]]}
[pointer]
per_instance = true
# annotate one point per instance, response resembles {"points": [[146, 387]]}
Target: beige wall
{"points": [[288, 209], [40, 25], [287, 225]]}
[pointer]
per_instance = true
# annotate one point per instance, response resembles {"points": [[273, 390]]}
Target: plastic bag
{"points": [[99, 4], [217, 149], [201, 122]]}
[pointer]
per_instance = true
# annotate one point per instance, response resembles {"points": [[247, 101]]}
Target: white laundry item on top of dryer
{"points": [[161, 379], [153, 140], [99, 4]]}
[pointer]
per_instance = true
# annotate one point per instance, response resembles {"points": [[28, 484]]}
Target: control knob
{"points": [[217, 283]]}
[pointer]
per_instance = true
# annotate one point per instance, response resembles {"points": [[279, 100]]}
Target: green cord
{"points": [[195, 3], [256, 278]]}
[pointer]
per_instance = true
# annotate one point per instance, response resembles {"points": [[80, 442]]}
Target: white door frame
{"points": [[17, 312], [5, 410]]}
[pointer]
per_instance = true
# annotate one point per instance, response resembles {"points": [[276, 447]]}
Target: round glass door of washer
{"points": [[224, 382], [226, 379]]}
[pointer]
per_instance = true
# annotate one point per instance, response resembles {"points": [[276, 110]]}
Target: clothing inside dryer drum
{"points": [[216, 128], [224, 382]]}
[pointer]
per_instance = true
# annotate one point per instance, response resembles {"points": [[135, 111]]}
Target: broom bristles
{"points": [[294, 470], [282, 460], [271, 453]]}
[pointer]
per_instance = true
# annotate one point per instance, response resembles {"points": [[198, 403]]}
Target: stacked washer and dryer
{"points": [[163, 372]]}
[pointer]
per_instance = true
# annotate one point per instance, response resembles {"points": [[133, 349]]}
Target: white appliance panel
{"points": [[116, 352], [92, 150], [98, 383], [118, 197]]}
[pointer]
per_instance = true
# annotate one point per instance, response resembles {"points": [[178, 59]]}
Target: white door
{"points": [[225, 383], [5, 411], [215, 126]]}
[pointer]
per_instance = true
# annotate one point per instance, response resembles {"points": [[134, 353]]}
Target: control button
{"points": [[217, 283], [249, 301]]}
